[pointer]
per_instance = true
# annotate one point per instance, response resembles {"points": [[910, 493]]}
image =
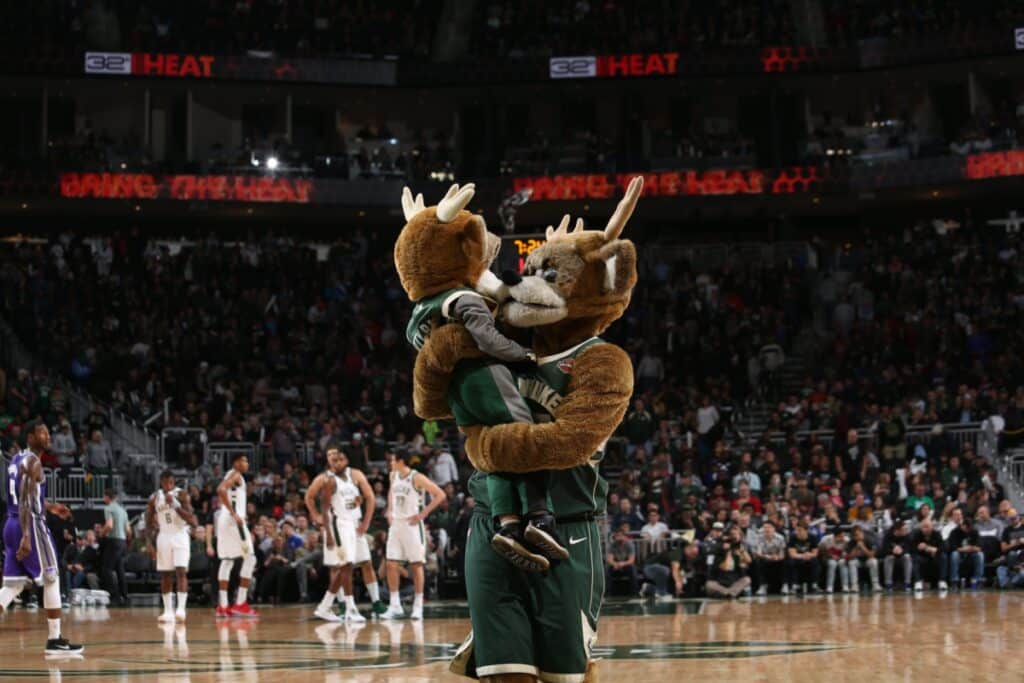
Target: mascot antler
{"points": [[454, 201], [616, 224], [410, 206]]}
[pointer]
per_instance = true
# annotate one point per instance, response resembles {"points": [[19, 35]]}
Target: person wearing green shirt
{"points": [[115, 532], [919, 498]]}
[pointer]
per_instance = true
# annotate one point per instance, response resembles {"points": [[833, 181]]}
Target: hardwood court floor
{"points": [[959, 637]]}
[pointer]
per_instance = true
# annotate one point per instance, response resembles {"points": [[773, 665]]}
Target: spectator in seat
{"points": [[688, 565], [897, 550], [802, 565], [640, 427], [276, 569], [769, 554], [655, 532], [64, 446], [860, 555], [99, 460], [965, 549], [82, 560], [744, 496], [728, 576], [621, 561], [990, 532], [832, 549], [445, 470], [626, 516], [929, 556]]}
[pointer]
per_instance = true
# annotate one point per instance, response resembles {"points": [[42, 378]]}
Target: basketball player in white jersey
{"points": [[341, 489], [234, 541], [168, 518], [406, 536]]}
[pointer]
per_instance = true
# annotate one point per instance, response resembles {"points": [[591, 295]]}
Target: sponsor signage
{"points": [[615, 66], [147, 64], [117, 63], [240, 67], [995, 164], [213, 188], [672, 184]]}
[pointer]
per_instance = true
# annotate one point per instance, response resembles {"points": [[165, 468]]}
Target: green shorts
{"points": [[537, 624]]}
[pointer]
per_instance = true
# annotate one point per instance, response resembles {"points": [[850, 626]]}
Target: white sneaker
{"points": [[943, 586], [919, 586], [166, 617], [417, 614], [785, 589], [829, 590], [665, 597], [326, 615], [876, 588], [393, 613], [762, 591], [179, 617], [354, 617]]}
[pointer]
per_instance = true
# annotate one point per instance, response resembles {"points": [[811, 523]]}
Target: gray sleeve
{"points": [[473, 314]]}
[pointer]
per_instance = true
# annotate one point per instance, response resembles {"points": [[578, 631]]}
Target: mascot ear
{"points": [[619, 257], [474, 240]]}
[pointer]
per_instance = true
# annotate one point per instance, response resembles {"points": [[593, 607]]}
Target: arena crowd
{"points": [[893, 330]]}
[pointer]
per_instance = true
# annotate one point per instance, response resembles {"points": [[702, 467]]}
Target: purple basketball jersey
{"points": [[42, 559]]}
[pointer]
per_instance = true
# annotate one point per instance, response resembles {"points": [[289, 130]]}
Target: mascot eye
{"points": [[550, 275]]}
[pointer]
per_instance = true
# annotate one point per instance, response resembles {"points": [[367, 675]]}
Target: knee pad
{"points": [[248, 565], [51, 593], [224, 571]]}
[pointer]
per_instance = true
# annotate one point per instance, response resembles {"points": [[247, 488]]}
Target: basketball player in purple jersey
{"points": [[29, 554]]}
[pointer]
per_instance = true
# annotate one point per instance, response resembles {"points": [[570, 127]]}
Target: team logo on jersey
{"points": [[540, 393], [565, 365]]}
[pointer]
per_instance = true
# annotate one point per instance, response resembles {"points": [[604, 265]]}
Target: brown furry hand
{"points": [[435, 362], [595, 403]]}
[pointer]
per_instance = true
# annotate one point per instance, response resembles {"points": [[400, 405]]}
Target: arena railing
{"points": [[223, 452]]}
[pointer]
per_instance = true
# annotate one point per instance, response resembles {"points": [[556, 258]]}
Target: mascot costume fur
{"points": [[533, 626]]}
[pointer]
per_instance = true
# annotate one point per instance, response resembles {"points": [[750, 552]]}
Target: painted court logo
{"points": [[131, 661]]}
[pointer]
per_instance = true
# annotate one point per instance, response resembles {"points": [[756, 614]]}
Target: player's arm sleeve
{"points": [[472, 312], [595, 403]]}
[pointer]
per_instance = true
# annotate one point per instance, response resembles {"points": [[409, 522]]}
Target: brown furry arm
{"points": [[435, 362], [596, 401]]}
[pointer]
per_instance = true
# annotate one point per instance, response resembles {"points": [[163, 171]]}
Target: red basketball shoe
{"points": [[223, 612], [244, 611]]}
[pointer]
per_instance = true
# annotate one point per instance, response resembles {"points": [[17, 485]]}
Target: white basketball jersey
{"points": [[404, 499], [166, 515], [236, 496], [345, 501]]}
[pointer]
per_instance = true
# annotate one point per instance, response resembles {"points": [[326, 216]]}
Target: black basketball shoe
{"points": [[540, 532], [508, 542], [60, 646]]}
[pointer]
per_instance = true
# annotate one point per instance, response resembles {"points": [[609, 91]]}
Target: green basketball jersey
{"points": [[574, 491], [430, 312]]}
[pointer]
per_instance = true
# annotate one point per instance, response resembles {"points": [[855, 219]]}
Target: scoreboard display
{"points": [[515, 249]]}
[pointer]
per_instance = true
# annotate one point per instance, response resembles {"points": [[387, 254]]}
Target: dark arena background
{"points": [[820, 471]]}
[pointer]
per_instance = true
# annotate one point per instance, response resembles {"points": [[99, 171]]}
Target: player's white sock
{"points": [[327, 601], [222, 598], [350, 604], [340, 596], [417, 602], [168, 603], [395, 600], [7, 595], [182, 601], [54, 626], [374, 590], [243, 593]]}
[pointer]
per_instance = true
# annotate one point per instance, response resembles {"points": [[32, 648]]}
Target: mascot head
{"points": [[443, 247], [578, 282]]}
